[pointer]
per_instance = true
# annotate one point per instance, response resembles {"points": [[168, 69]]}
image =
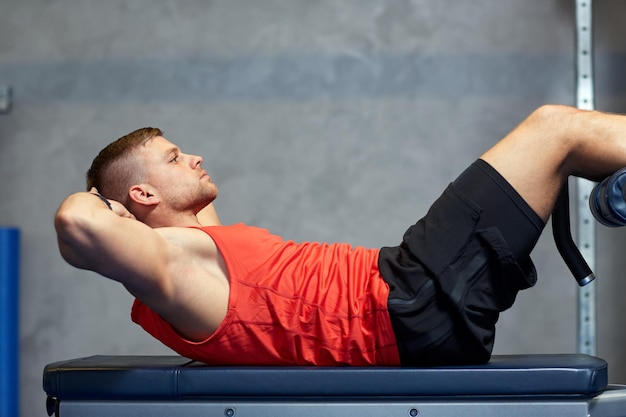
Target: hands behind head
{"points": [[115, 206]]}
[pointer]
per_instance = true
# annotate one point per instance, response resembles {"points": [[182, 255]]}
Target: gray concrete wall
{"points": [[320, 120]]}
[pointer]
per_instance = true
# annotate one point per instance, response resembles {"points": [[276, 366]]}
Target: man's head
{"points": [[117, 166], [152, 178]]}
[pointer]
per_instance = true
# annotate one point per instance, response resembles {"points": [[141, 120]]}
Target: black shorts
{"points": [[458, 268]]}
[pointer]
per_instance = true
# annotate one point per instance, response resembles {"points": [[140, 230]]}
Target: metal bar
{"points": [[586, 231], [562, 232], [576, 407]]}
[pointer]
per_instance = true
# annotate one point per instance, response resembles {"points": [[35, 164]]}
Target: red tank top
{"points": [[291, 304]]}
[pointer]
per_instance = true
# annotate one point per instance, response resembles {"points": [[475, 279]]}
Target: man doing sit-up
{"points": [[236, 294]]}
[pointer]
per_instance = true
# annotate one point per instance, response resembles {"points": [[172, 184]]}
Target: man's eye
{"points": [[174, 159]]}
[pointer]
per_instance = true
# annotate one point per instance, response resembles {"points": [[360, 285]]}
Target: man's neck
{"points": [[176, 220]]}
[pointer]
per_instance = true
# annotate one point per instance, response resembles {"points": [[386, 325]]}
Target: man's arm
{"points": [[176, 272], [111, 242]]}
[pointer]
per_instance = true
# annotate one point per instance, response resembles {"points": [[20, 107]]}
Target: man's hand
{"points": [[117, 207]]}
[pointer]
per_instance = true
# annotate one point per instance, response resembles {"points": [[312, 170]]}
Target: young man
{"points": [[239, 295]]}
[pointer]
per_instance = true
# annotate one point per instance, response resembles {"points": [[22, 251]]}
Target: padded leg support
{"points": [[607, 201]]}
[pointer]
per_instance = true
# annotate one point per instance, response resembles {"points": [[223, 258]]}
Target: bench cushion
{"points": [[172, 378]]}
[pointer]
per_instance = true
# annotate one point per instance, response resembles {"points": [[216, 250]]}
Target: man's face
{"points": [[179, 178]]}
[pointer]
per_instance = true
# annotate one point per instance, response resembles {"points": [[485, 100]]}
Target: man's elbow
{"points": [[70, 238], [66, 225]]}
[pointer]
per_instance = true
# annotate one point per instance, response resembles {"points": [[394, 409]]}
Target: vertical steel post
{"points": [[586, 233]]}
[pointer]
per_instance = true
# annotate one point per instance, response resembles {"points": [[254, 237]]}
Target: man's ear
{"points": [[143, 194]]}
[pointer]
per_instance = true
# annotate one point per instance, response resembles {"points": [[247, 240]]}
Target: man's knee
{"points": [[550, 115]]}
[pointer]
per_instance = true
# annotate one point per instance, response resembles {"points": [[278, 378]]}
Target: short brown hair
{"points": [[114, 170]]}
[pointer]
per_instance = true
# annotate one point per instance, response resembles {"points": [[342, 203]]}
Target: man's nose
{"points": [[195, 160]]}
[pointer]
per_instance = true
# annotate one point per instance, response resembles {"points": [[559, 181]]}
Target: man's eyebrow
{"points": [[171, 150]]}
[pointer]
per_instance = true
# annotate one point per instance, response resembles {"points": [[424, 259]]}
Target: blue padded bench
{"points": [[525, 385]]}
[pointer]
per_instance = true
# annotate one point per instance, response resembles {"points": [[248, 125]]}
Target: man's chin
{"points": [[214, 195]]}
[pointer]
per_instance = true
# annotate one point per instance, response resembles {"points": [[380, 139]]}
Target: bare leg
{"points": [[554, 142]]}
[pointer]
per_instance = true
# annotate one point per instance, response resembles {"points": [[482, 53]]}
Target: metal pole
{"points": [[586, 232]]}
